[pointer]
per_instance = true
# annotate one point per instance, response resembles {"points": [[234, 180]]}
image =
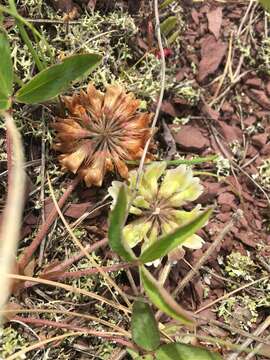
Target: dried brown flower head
{"points": [[103, 130]]}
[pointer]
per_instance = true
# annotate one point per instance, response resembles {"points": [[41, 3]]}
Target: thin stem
{"points": [[76, 257], [93, 262], [44, 228], [72, 289], [263, 326], [194, 161], [20, 354], [26, 38], [113, 336], [207, 254], [17, 16], [161, 94], [73, 314], [60, 276]]}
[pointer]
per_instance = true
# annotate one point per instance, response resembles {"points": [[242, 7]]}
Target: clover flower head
{"points": [[102, 131], [158, 203]]}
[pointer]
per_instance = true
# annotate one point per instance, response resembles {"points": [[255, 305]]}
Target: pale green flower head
{"points": [[158, 203]]}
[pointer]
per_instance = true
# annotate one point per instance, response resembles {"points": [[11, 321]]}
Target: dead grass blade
{"points": [[13, 211]]}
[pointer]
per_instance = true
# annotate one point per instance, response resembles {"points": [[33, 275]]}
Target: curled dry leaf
{"points": [[102, 131]]}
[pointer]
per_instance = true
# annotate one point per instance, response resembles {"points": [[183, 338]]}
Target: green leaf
{"points": [[6, 72], [162, 299], [144, 327], [178, 351], [167, 243], [173, 37], [265, 4], [165, 3], [117, 221], [136, 356], [168, 25], [50, 82]]}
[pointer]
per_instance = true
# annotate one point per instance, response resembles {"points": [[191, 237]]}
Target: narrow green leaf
{"points": [[117, 221], [4, 103], [50, 82], [144, 327], [162, 299], [265, 4], [167, 243], [6, 72], [168, 25], [165, 3], [136, 356], [173, 37], [178, 351]]}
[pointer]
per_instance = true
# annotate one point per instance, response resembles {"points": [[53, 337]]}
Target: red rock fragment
{"points": [[214, 18], [191, 139], [259, 97], [212, 53], [260, 140], [169, 108], [254, 82], [77, 210], [195, 16], [229, 132], [227, 107], [267, 88], [266, 149], [226, 199]]}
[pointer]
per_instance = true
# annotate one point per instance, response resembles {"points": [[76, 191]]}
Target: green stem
{"points": [[26, 38], [205, 173], [18, 17], [197, 160]]}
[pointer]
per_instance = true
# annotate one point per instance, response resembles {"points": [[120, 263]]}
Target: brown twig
{"points": [[59, 276], [207, 254], [44, 228], [232, 329], [76, 257], [62, 325], [263, 326]]}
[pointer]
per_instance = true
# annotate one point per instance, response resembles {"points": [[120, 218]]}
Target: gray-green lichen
{"points": [[10, 342]]}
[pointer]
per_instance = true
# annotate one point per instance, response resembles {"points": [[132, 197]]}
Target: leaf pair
{"points": [[145, 334], [159, 248], [156, 293]]}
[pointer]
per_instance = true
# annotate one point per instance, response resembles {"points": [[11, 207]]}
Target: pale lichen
{"points": [[10, 342]]}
